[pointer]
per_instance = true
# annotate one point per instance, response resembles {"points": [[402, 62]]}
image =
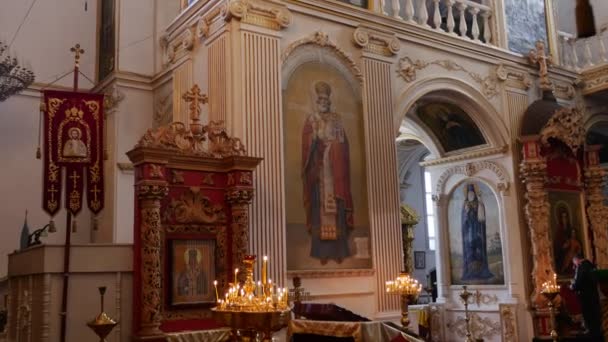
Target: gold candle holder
{"points": [[550, 290], [408, 289], [465, 295], [102, 325], [253, 309]]}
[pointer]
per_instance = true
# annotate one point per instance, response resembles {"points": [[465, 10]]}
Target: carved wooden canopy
{"points": [[193, 187]]}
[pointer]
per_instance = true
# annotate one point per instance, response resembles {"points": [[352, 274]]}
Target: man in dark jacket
{"points": [[585, 286]]}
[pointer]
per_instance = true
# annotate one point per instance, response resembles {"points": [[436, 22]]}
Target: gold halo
{"points": [[74, 129], [199, 255]]}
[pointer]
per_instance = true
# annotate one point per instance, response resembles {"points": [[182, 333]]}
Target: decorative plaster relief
{"points": [[466, 156], [509, 323], [163, 105], [408, 68], [436, 323], [375, 42], [471, 169], [113, 96], [481, 327], [595, 80], [513, 78], [258, 13], [564, 90], [321, 39]]}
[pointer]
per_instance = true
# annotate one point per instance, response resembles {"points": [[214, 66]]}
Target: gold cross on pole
{"points": [[538, 56], [196, 99], [74, 177], [77, 52]]}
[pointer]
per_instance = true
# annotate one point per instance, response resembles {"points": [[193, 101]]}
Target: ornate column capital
{"points": [[268, 14], [152, 191], [384, 44]]}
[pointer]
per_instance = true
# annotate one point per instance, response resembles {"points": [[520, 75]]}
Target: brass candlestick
{"points": [[550, 290], [465, 295], [102, 325], [408, 289]]}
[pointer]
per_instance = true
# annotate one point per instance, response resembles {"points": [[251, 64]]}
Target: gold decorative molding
{"points": [[407, 69], [595, 182], [513, 78], [313, 274], [481, 327], [322, 40], [267, 14], [409, 215], [566, 125], [508, 320], [375, 42], [469, 170], [194, 207], [533, 175], [595, 80], [485, 152]]}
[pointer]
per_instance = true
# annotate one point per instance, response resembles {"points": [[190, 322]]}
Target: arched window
{"points": [[429, 211]]}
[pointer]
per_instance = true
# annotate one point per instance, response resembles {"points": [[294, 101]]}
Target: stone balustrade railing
{"points": [[467, 19], [583, 53]]}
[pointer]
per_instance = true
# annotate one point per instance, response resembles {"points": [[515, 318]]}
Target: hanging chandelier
{"points": [[13, 77]]}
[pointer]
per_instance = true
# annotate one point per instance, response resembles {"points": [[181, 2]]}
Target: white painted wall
{"points": [[44, 41], [600, 12]]}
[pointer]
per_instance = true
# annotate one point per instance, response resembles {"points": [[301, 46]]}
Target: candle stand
{"points": [[465, 295], [408, 289], [550, 290], [253, 309]]}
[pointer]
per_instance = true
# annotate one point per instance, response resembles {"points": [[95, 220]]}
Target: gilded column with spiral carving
{"points": [[239, 200], [150, 194], [595, 181], [533, 170]]}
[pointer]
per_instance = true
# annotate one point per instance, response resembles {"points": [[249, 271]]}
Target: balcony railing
{"points": [[470, 20], [585, 53]]}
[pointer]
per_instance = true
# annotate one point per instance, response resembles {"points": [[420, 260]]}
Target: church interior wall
{"points": [[48, 52]]}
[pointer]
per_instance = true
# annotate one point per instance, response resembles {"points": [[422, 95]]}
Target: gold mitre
{"points": [[322, 88]]}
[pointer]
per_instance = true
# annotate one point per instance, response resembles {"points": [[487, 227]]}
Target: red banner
{"points": [[73, 136]]}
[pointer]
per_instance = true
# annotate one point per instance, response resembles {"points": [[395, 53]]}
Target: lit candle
{"points": [[264, 270], [217, 297], [236, 272]]}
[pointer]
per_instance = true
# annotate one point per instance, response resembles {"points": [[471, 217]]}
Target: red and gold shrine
{"points": [[193, 187]]}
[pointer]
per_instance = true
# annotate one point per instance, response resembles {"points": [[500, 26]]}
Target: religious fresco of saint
{"points": [[191, 272], [474, 231], [566, 230], [450, 125], [325, 182]]}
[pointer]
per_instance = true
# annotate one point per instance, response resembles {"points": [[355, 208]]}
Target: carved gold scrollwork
{"points": [[566, 125], [534, 174], [509, 323], [239, 196], [151, 278], [595, 182], [194, 207]]}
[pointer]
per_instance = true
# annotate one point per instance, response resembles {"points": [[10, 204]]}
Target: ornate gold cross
{"points": [[195, 99], [538, 56], [52, 190], [95, 192], [77, 52]]}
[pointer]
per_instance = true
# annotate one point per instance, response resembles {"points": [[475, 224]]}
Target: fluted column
{"points": [[383, 184], [254, 114], [533, 171], [150, 193], [595, 181]]}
